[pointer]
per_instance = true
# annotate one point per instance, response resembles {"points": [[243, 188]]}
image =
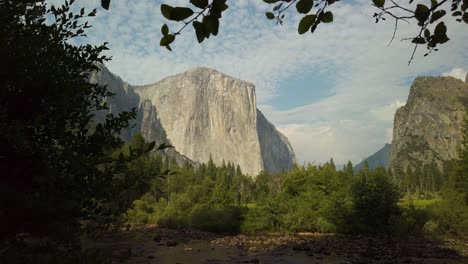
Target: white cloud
{"points": [[370, 79], [386, 112], [458, 73]]}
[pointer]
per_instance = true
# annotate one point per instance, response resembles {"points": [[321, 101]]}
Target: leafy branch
{"points": [[314, 13], [425, 16]]}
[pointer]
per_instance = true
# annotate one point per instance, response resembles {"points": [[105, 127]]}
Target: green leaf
{"points": [[166, 40], [440, 30], [304, 6], [166, 10], [421, 13], [270, 1], [437, 15], [199, 3], [433, 3], [379, 3], [181, 13], [305, 23], [211, 24], [199, 31], [457, 13], [105, 4], [270, 15], [164, 30], [326, 17]]}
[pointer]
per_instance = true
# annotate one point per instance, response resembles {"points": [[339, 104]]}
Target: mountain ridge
{"points": [[380, 158]]}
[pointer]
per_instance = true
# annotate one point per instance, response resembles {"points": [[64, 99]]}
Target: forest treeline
{"points": [[313, 197]]}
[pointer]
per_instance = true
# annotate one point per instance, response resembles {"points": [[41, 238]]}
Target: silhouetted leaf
{"points": [[211, 24], [304, 6], [465, 18], [105, 4], [199, 3], [166, 10], [305, 23], [437, 15], [150, 146], [181, 13], [276, 8], [379, 3], [164, 30], [419, 40], [440, 30], [166, 40], [427, 33], [326, 17], [199, 31], [217, 7], [270, 15], [421, 13], [164, 146]]}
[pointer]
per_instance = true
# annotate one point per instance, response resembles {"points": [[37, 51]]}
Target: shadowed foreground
{"points": [[154, 245]]}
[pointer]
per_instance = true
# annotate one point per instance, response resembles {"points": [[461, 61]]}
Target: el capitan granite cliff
{"points": [[203, 113]]}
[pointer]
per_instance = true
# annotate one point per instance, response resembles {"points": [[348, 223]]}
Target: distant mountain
{"points": [[379, 159]]}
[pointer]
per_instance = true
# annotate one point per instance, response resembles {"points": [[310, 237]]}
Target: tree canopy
{"points": [[56, 160]]}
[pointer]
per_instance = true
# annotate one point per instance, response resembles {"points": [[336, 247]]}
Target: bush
{"points": [[431, 230], [225, 219], [451, 213]]}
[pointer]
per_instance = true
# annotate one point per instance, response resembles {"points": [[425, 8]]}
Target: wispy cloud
{"points": [[370, 80]]}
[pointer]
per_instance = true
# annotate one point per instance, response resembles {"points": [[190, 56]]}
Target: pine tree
{"points": [[348, 169]]}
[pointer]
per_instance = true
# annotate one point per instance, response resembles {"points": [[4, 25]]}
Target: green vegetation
{"points": [[310, 198], [316, 198], [66, 174]]}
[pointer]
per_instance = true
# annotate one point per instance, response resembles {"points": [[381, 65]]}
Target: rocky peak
{"points": [[427, 130]]}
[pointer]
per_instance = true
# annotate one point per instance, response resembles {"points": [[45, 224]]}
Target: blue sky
{"points": [[332, 93]]}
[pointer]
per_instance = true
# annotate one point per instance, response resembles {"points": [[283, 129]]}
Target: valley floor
{"points": [[156, 245]]}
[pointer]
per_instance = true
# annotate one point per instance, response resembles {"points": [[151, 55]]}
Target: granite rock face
{"points": [[428, 128], [277, 153], [204, 113]]}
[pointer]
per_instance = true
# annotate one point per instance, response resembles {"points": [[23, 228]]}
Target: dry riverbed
{"points": [[157, 245]]}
